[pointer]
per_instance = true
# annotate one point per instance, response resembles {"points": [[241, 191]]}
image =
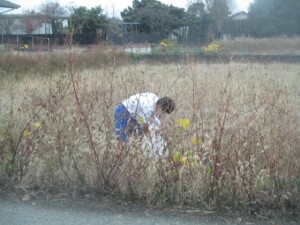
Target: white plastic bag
{"points": [[153, 143]]}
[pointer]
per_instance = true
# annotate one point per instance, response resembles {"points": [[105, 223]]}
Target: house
{"points": [[6, 6], [240, 16], [33, 30], [237, 26], [240, 19], [33, 24]]}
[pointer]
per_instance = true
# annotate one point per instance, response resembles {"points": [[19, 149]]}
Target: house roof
{"points": [[31, 15], [239, 15], [9, 5]]}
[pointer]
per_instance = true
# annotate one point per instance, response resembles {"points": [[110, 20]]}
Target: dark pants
{"points": [[125, 124]]}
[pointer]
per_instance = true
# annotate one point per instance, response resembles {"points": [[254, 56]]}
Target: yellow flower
{"points": [[141, 120], [196, 141], [184, 123], [164, 44], [37, 125], [26, 133], [211, 48]]}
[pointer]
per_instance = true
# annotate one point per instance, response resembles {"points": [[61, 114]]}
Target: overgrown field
{"points": [[233, 139], [264, 46]]}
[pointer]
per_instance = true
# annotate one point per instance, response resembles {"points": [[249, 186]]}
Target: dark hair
{"points": [[167, 104]]}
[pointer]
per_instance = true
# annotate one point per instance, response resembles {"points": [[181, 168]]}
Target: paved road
{"points": [[65, 212]]}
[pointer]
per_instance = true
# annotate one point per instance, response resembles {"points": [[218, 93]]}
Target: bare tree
{"points": [[31, 21], [210, 19], [54, 12], [210, 3], [220, 11], [6, 24], [196, 8]]}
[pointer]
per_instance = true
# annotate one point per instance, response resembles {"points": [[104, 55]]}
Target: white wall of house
{"points": [[17, 28], [45, 28], [39, 28]]}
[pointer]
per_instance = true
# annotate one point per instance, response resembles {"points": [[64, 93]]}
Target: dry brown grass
{"points": [[20, 63], [264, 46], [241, 146]]}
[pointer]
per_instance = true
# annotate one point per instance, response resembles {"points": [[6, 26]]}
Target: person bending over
{"points": [[136, 113]]}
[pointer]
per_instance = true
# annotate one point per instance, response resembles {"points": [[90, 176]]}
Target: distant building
{"points": [[240, 16], [37, 24], [237, 26], [6, 6], [240, 19]]}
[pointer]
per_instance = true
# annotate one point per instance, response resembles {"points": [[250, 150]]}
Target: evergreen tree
{"points": [[84, 20], [154, 16], [274, 18]]}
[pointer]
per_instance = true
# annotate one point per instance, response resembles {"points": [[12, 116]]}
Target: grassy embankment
{"points": [[233, 139]]}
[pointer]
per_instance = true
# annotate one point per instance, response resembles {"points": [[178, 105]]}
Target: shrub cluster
{"points": [[233, 139], [18, 62]]}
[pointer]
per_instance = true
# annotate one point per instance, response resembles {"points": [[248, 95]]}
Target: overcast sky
{"points": [[112, 6]]}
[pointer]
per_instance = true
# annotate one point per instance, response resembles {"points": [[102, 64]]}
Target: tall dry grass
{"points": [[240, 145], [20, 63], [263, 46]]}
